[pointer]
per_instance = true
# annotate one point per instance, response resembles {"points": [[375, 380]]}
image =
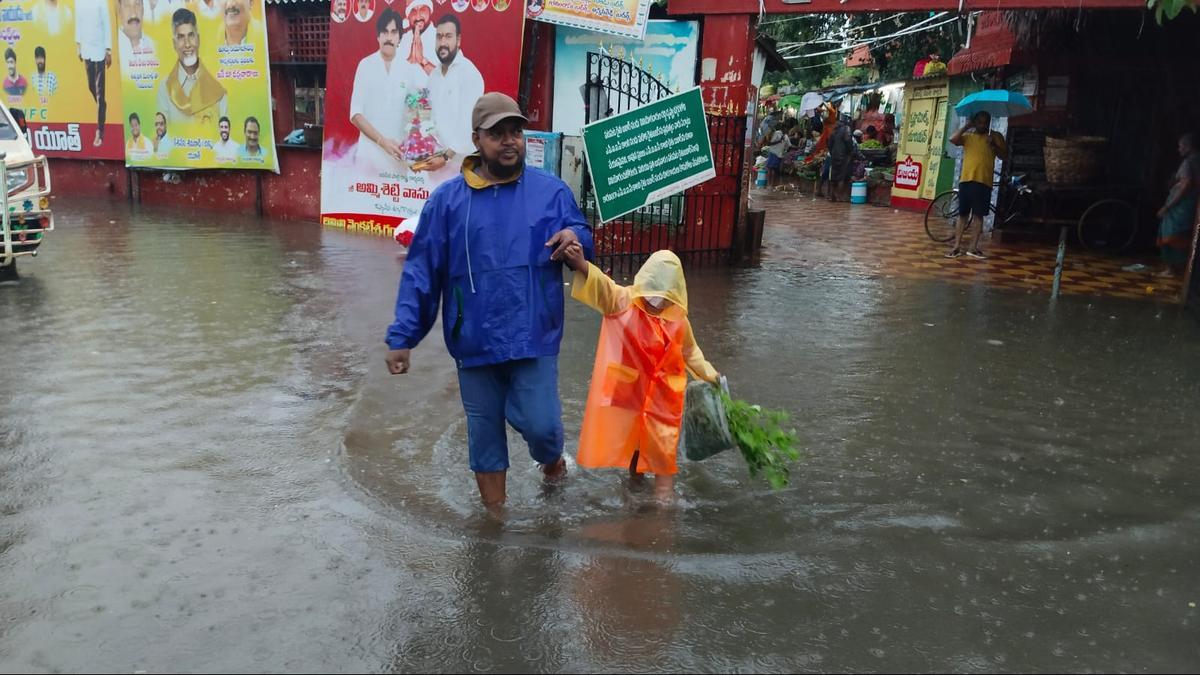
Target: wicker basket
{"points": [[1074, 160]]}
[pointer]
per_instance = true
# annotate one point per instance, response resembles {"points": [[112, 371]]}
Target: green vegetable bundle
{"points": [[766, 445], [714, 422], [870, 144]]}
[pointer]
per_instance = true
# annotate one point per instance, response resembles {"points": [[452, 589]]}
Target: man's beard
{"points": [[448, 58], [502, 171], [224, 138], [190, 61], [42, 69]]}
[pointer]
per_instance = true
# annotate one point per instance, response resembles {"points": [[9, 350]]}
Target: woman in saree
{"points": [[1178, 215]]}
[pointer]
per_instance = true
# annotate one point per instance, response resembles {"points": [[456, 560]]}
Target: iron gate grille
{"points": [[702, 220]]}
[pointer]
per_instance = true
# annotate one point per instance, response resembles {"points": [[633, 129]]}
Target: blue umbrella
{"points": [[998, 102]]}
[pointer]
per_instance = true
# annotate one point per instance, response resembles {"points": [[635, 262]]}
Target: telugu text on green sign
{"points": [[644, 155]]}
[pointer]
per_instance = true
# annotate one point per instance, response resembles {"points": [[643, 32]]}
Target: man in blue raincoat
{"points": [[489, 248]]}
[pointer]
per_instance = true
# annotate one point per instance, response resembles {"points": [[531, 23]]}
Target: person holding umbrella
{"points": [[981, 146]]}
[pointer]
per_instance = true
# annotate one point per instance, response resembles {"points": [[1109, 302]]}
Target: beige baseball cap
{"points": [[492, 108]]}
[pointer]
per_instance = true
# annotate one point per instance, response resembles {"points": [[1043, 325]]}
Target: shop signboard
{"points": [[908, 174], [921, 141]]}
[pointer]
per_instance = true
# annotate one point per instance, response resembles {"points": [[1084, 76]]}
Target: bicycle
{"points": [[1017, 201], [1108, 224]]}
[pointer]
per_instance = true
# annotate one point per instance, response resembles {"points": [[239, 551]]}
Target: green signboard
{"points": [[644, 155]]}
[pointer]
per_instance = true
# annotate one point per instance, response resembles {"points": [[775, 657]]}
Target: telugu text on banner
{"points": [[196, 84], [618, 17], [62, 72]]}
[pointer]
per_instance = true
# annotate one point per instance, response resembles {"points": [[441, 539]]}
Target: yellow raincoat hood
{"points": [[662, 277]]}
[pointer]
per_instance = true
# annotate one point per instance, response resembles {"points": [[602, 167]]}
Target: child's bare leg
{"points": [[664, 488], [633, 472]]}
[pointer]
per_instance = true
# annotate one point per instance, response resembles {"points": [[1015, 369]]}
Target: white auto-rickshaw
{"points": [[26, 214]]}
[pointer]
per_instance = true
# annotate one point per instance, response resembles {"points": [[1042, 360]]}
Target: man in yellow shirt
{"points": [[980, 147]]}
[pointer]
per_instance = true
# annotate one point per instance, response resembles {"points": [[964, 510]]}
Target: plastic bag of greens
{"points": [[705, 429]]}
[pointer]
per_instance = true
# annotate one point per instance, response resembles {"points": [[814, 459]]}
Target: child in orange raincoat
{"points": [[635, 404]]}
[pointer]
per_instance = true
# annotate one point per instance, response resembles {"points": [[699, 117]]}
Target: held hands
{"points": [[574, 257], [560, 242]]}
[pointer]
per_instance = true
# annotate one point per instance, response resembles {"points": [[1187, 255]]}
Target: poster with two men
{"points": [[403, 77]]}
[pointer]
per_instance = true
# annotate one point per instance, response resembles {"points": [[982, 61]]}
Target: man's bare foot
{"points": [[98, 140]]}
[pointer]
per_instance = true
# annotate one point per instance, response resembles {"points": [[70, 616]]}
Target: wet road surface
{"points": [[204, 466]]}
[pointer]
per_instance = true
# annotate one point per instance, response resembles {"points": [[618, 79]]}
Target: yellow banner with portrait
{"points": [[61, 74], [196, 84]]}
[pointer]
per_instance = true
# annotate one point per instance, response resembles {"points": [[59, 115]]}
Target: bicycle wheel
{"points": [[941, 217], [1108, 225]]}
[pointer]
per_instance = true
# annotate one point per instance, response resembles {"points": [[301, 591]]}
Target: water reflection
{"points": [[204, 467]]}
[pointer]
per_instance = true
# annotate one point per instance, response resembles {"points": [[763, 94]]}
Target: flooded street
{"points": [[204, 466]]}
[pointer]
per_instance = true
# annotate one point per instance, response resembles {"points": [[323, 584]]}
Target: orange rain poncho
{"points": [[636, 396]]}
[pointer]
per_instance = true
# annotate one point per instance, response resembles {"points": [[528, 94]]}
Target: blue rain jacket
{"points": [[482, 253]]}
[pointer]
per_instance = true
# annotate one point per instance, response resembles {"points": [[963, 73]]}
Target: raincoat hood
{"points": [[662, 277]]}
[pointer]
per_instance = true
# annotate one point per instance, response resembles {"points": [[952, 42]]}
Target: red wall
{"points": [[294, 194]]}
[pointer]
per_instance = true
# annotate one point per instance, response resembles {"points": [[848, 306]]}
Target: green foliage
{"points": [[894, 58], [1169, 9], [766, 445]]}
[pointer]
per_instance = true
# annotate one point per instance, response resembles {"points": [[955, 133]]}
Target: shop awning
{"points": [[993, 45], [775, 62]]}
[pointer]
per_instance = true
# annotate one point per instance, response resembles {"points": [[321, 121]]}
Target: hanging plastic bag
{"points": [[705, 429]]}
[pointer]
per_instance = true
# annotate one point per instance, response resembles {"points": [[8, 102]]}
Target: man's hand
{"points": [[79, 50], [434, 163], [391, 147], [416, 55], [1162, 213], [560, 241], [397, 361], [108, 58]]}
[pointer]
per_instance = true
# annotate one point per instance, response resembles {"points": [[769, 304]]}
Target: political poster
{"points": [[196, 84], [403, 78], [62, 73]]}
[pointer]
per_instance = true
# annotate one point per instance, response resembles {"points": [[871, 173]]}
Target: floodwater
{"points": [[205, 467]]}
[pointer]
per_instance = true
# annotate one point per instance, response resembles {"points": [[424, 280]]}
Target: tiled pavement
{"points": [[882, 241]]}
